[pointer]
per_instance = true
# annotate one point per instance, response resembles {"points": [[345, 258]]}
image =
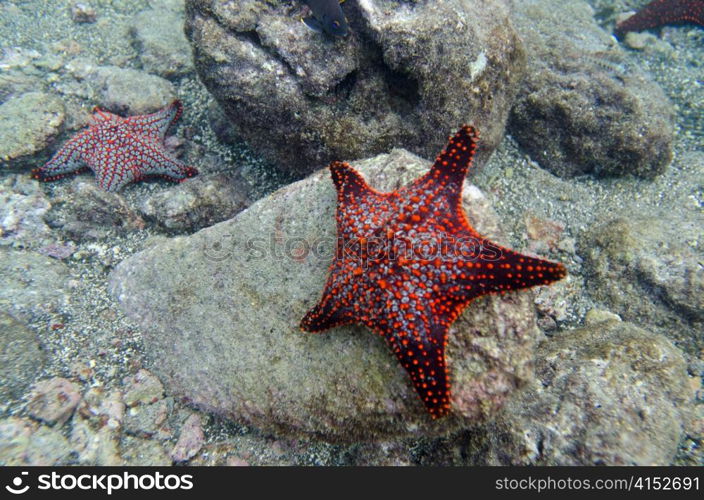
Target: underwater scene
{"points": [[375, 232]]}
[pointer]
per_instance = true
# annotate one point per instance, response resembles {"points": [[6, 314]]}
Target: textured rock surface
{"points": [[144, 452], [94, 447], [23, 442], [648, 269], [162, 47], [22, 208], [196, 204], [28, 123], [190, 441], [407, 77], [31, 284], [581, 108], [607, 394], [142, 388], [21, 357], [123, 91], [84, 211], [54, 400], [220, 311]]}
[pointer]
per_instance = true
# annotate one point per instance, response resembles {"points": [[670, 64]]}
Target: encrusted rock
{"points": [[124, 91], [647, 268], [54, 400], [21, 357], [147, 420], [582, 109], [199, 203], [606, 394], [220, 311], [22, 209], [190, 440], [82, 12], [23, 443], [143, 388], [103, 410], [162, 49], [409, 74], [82, 210], [95, 447], [28, 123], [32, 284]]}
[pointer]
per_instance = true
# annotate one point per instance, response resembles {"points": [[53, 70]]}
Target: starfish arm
{"points": [[660, 12], [420, 348], [350, 185], [498, 270], [324, 316], [155, 125], [150, 161], [112, 177], [67, 160], [452, 164]]}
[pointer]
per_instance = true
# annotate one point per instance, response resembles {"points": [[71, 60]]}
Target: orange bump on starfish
{"points": [[407, 263]]}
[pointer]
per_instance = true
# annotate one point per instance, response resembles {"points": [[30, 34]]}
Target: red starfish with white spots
{"points": [[120, 150], [408, 262], [661, 12]]}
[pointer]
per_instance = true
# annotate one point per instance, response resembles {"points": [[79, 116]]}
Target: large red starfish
{"points": [[120, 150], [408, 262], [660, 12]]}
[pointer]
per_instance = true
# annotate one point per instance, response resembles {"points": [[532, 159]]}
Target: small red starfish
{"points": [[408, 262], [661, 12], [120, 150]]}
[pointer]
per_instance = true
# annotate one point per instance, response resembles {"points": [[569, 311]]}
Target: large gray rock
{"points": [[582, 109], [220, 311], [408, 76], [606, 394], [124, 91], [648, 269]]}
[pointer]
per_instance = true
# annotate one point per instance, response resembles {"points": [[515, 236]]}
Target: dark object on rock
{"points": [[83, 13], [327, 16], [408, 76], [661, 12]]}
